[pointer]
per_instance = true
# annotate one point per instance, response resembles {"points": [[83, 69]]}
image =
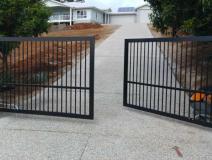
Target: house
{"points": [[79, 12], [76, 12]]}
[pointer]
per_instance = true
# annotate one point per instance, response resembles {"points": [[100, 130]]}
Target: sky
{"points": [[115, 4]]}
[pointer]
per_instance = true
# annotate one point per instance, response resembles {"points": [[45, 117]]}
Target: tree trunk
{"points": [[174, 31]]}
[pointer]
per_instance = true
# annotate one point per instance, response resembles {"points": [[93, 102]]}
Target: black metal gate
{"points": [[47, 76], [170, 77]]}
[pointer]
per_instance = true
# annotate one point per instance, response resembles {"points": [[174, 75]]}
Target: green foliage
{"points": [[6, 47], [23, 17], [192, 16], [20, 18], [188, 25]]}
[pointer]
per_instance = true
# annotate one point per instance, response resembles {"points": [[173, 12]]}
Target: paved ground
{"points": [[117, 133]]}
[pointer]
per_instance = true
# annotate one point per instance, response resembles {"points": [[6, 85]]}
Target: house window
{"points": [[81, 14]]}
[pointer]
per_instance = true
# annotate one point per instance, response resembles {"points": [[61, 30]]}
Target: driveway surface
{"points": [[117, 133]]}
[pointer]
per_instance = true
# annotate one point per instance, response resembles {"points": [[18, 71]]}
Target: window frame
{"points": [[81, 14]]}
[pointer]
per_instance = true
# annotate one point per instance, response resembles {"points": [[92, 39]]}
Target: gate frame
{"points": [[91, 39], [126, 82]]}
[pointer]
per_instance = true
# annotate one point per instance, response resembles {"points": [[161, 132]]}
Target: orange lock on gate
{"points": [[198, 97]]}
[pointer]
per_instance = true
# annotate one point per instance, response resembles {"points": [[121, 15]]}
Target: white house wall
{"points": [[143, 15], [122, 19], [97, 16]]}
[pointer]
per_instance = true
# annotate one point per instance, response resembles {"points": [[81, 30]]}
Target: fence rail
{"points": [[47, 75], [170, 76]]}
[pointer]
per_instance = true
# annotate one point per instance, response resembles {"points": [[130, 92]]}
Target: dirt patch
{"points": [[100, 32], [81, 26]]}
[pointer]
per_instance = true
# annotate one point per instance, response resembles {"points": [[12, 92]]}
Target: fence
{"points": [[170, 76], [49, 76]]}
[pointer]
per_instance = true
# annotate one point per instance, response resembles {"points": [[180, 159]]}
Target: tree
{"points": [[193, 16], [21, 18]]}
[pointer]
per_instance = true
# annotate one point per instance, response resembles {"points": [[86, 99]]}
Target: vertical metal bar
{"points": [[126, 54], [66, 83], [40, 78], [48, 99], [163, 72], [195, 82], [92, 59], [181, 58], [190, 77], [10, 73], [57, 97], [61, 75], [172, 61], [167, 75], [185, 76], [85, 80], [130, 70], [207, 115], [75, 98], [31, 72], [44, 75], [52, 82], [36, 64], [71, 77], [19, 73], [23, 76], [53, 61], [27, 79], [133, 78], [14, 75], [80, 98], [159, 78], [147, 90], [136, 91], [144, 73], [140, 79], [155, 74], [176, 70], [201, 77], [151, 75]]}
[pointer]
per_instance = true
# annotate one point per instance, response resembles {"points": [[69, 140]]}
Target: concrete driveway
{"points": [[117, 133]]}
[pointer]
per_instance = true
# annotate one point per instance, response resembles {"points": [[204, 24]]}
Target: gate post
{"points": [[92, 59], [126, 53]]}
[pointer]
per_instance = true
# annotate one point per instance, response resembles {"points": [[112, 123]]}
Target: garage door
{"points": [[123, 19]]}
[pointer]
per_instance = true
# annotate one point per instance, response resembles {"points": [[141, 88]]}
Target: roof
{"points": [[143, 6], [82, 5], [126, 9], [53, 3]]}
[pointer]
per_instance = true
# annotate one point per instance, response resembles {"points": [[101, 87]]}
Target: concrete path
{"points": [[117, 133]]}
